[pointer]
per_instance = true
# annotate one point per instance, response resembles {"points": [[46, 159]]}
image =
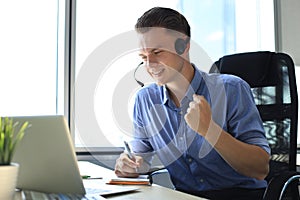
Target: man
{"points": [[204, 128]]}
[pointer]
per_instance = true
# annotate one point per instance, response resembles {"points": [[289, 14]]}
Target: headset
{"points": [[180, 46], [139, 82]]}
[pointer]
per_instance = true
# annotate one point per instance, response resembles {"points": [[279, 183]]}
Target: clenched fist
{"points": [[198, 115]]}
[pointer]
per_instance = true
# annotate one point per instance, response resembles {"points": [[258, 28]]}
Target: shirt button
{"points": [[190, 160], [181, 138], [201, 180], [180, 112]]}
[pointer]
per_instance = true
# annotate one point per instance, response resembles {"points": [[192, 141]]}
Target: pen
{"points": [[129, 151]]}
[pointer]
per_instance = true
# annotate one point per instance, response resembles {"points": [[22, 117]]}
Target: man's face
{"points": [[157, 49]]}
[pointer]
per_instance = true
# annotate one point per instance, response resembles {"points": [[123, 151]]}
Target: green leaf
{"points": [[9, 138]]}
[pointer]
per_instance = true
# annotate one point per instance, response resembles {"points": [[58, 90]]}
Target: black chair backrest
{"points": [[271, 77]]}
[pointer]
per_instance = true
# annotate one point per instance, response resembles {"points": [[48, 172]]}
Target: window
{"points": [[105, 86], [32, 50], [297, 73]]}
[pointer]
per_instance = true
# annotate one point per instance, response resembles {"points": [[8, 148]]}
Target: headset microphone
{"points": [[139, 82]]}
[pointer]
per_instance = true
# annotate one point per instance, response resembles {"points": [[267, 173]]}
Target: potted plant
{"points": [[10, 135]]}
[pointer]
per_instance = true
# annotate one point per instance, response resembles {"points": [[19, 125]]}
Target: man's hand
{"points": [[198, 115], [125, 167]]}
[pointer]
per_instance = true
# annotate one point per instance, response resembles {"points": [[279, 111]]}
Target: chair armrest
{"points": [[159, 171], [278, 185], [161, 177], [155, 171]]}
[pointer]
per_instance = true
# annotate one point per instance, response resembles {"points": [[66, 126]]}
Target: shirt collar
{"points": [[195, 84], [166, 96]]}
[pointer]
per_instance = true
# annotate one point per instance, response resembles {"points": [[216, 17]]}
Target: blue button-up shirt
{"points": [[193, 163]]}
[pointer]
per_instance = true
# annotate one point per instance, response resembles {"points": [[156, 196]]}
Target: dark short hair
{"points": [[164, 18]]}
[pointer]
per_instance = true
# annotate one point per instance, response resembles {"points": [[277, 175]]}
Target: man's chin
{"points": [[159, 83]]}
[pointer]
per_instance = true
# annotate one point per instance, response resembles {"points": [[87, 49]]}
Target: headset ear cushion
{"points": [[180, 46]]}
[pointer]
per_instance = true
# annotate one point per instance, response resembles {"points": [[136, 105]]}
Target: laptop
{"points": [[47, 158]]}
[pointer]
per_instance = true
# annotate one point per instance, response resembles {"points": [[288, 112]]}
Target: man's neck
{"points": [[179, 87]]}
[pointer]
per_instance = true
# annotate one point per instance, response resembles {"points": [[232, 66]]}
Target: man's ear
{"points": [[188, 45]]}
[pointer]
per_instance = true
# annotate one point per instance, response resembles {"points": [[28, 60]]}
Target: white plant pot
{"points": [[8, 180]]}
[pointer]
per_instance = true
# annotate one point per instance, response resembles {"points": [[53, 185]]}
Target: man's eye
{"points": [[157, 52]]}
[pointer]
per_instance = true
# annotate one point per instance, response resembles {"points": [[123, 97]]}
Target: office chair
{"points": [[271, 77]]}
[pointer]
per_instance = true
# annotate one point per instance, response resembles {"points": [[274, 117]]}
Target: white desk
{"points": [[155, 192], [144, 192]]}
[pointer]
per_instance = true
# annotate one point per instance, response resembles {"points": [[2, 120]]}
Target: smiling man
{"points": [[205, 128]]}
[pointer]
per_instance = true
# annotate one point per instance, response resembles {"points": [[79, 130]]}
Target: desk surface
{"points": [[155, 192], [144, 192]]}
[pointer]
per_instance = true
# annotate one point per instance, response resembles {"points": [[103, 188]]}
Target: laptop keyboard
{"points": [[32, 195]]}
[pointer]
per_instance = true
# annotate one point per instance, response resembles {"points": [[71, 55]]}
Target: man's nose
{"points": [[151, 61]]}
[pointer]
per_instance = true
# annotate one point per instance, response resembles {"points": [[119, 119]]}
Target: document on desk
{"points": [[140, 180]]}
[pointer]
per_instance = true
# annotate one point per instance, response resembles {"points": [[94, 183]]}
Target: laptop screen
{"points": [[47, 157]]}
